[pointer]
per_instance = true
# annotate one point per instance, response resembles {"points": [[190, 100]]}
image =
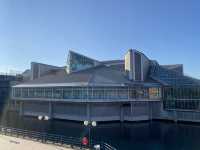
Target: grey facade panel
{"points": [[138, 67], [70, 109]]}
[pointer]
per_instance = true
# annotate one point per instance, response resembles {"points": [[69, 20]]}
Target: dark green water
{"points": [[153, 135]]}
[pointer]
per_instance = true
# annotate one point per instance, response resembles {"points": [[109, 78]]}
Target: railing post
{"points": [[61, 140]]}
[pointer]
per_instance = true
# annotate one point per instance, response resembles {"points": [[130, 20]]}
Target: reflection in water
{"points": [[124, 136]]}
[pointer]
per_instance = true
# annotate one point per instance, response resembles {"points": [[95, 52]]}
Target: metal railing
{"points": [[53, 138], [106, 146]]}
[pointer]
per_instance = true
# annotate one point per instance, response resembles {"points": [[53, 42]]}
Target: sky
{"points": [[44, 30]]}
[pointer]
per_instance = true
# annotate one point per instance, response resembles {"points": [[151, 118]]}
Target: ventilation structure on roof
{"points": [[38, 69], [136, 65], [77, 62]]}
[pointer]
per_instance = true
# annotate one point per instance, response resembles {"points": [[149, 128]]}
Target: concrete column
{"points": [[121, 113], [88, 112], [175, 116], [21, 108], [15, 104], [132, 108], [50, 109], [150, 109]]}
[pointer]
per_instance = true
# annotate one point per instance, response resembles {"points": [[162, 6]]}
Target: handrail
{"points": [[52, 138], [108, 147]]}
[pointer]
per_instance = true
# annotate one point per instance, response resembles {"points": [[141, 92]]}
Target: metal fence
{"points": [[53, 139]]}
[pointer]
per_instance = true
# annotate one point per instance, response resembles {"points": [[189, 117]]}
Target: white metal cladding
{"points": [[51, 84], [64, 84]]}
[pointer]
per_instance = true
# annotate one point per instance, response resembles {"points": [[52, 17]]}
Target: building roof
{"points": [[112, 62], [112, 73], [99, 75]]}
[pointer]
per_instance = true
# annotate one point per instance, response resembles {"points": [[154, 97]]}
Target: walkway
{"points": [[13, 143]]}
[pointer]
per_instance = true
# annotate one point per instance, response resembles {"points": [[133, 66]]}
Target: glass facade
{"points": [[187, 98], [77, 62], [84, 93]]}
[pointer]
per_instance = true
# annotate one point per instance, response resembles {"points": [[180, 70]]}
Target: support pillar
{"points": [[150, 109], [121, 113], [175, 116], [21, 108], [132, 108], [88, 112], [50, 110]]}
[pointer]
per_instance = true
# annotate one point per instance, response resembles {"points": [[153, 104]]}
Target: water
{"points": [[153, 135]]}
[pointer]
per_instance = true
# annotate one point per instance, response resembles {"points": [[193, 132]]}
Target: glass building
{"points": [[108, 90]]}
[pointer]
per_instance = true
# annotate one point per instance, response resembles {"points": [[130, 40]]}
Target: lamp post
{"points": [[90, 124], [45, 118]]}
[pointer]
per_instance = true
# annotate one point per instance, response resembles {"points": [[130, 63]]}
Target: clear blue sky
{"points": [[44, 31]]}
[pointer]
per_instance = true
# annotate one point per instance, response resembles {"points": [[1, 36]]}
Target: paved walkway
{"points": [[12, 143]]}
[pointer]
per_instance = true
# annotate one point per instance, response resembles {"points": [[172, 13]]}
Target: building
{"points": [[134, 89], [6, 81]]}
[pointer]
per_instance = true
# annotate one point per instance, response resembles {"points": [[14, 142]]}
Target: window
{"points": [[98, 93], [48, 92], [132, 93], [39, 92], [77, 93], [18, 92], [122, 93], [84, 93], [31, 92], [67, 93], [142, 93], [57, 93], [154, 93], [25, 92]]}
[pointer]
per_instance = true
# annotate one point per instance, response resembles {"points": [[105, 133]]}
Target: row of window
{"points": [[181, 93], [87, 93], [187, 98], [182, 104]]}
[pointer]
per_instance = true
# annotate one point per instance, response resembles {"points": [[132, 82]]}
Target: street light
{"points": [[45, 118], [86, 123], [90, 124], [40, 117], [94, 123]]}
